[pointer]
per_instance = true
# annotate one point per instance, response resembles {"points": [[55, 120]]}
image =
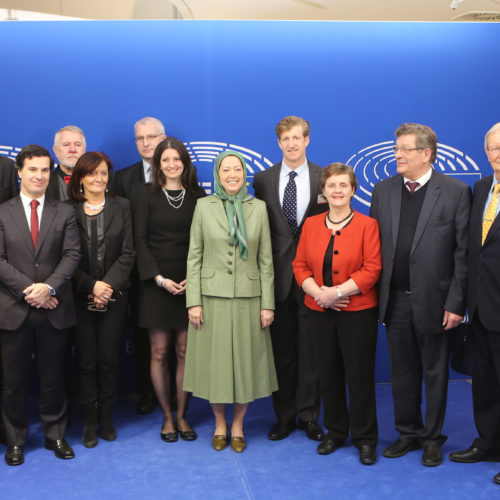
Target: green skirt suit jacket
{"points": [[230, 358]]}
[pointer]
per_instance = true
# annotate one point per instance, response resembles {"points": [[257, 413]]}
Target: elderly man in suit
{"points": [[291, 190], [69, 145], [39, 251], [423, 218], [483, 302], [149, 132]]}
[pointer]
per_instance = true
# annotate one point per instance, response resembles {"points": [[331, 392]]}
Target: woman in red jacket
{"points": [[337, 265]]}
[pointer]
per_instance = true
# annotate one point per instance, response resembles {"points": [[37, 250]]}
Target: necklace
{"points": [[95, 207], [172, 200], [339, 221]]}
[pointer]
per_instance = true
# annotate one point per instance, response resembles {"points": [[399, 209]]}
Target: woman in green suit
{"points": [[230, 300]]}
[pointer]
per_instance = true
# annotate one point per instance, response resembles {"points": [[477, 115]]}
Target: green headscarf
{"points": [[234, 207]]}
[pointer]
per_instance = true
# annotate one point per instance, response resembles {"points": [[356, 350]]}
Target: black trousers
{"points": [[298, 393], [415, 356], [345, 345], [35, 335], [486, 387], [98, 342]]}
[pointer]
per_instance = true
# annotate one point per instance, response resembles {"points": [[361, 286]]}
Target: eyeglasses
{"points": [[404, 149], [494, 150], [142, 138]]}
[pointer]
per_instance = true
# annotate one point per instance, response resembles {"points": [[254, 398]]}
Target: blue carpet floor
{"points": [[139, 465]]}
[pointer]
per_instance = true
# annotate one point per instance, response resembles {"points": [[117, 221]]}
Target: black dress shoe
{"points": [[432, 455], [147, 404], [187, 435], [313, 430], [14, 455], [280, 431], [367, 454], [471, 455], [60, 448], [329, 445], [401, 447], [496, 479]]}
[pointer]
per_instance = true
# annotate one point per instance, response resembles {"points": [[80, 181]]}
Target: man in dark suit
{"points": [[8, 189], [423, 218], [149, 132], [483, 302], [8, 179], [291, 190], [69, 145], [39, 251]]}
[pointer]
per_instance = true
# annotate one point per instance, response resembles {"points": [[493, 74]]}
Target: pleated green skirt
{"points": [[230, 360]]}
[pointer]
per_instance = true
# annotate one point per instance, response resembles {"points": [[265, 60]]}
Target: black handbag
{"points": [[461, 349]]}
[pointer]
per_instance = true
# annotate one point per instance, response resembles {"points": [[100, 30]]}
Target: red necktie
{"points": [[34, 221], [412, 186]]}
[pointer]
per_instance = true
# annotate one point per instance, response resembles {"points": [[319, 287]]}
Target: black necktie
{"points": [[290, 202]]}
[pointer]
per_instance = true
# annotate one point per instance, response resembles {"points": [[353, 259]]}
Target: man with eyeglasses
{"points": [[149, 132], [69, 145], [291, 190], [483, 302], [423, 219]]}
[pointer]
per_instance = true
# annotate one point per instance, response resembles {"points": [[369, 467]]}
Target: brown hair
{"points": [[426, 137], [338, 169], [85, 165], [289, 122]]}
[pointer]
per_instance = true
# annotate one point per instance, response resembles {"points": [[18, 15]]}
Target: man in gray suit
{"points": [[39, 251], [291, 190], [423, 218]]}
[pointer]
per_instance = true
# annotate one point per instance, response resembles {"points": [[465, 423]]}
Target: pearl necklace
{"points": [[94, 207], [339, 221], [175, 199]]}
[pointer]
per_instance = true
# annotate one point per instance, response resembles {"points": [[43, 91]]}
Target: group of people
{"points": [[233, 298]]}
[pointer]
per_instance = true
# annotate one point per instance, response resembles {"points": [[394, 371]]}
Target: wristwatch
{"points": [[339, 293], [52, 292]]}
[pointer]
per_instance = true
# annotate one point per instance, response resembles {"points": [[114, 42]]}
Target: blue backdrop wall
{"points": [[220, 83]]}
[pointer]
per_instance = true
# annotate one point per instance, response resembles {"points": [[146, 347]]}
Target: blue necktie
{"points": [[290, 202]]}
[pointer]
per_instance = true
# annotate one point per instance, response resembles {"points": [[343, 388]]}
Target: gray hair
{"points": [[491, 131], [69, 128], [154, 121]]}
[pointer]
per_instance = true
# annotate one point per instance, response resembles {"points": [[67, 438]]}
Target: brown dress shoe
{"points": [[238, 444], [219, 442]]}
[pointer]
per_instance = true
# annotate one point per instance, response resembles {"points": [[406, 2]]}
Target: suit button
{"points": [[335, 272], [230, 254], [335, 252], [37, 264], [230, 272], [229, 263], [231, 244], [337, 233]]}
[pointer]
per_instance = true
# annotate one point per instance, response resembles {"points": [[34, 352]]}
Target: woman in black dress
{"points": [[100, 285], [162, 220]]}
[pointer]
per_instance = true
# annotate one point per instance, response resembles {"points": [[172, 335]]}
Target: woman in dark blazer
{"points": [[100, 285], [163, 211], [337, 264]]}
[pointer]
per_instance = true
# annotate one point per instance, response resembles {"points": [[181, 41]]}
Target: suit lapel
{"points": [[313, 192], [48, 214], [395, 197], [21, 223], [431, 196], [496, 223], [110, 209], [219, 212], [248, 209]]}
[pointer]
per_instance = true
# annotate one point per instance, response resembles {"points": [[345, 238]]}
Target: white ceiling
{"points": [[382, 10]]}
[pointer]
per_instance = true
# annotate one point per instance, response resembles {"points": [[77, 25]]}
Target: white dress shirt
{"points": [[303, 183], [26, 200]]}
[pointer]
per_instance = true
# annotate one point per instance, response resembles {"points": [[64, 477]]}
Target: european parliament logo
{"points": [[203, 152], [377, 162]]}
